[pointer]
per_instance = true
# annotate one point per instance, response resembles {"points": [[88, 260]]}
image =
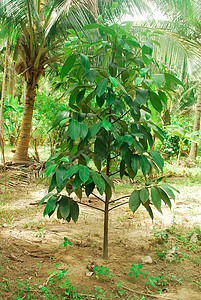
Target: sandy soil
{"points": [[30, 247]]}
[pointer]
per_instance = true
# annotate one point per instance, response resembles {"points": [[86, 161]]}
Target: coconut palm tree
{"points": [[37, 30]]}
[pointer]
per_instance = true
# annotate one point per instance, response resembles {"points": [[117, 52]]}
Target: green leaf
{"points": [[68, 65], [134, 201], [100, 149], [135, 163], [128, 139], [71, 171], [98, 180], [114, 81], [80, 96], [168, 190], [91, 75], [142, 96], [74, 210], [44, 198], [144, 195], [94, 129], [74, 129], [144, 165], [165, 197], [91, 26], [163, 96], [53, 183], [83, 130], [110, 98], [89, 188], [100, 100], [108, 191], [148, 208], [50, 169], [172, 79], [139, 80], [102, 86], [157, 158], [84, 173], [143, 71], [159, 79], [108, 180], [106, 125], [156, 198], [64, 207], [156, 101], [122, 168], [76, 182], [85, 62], [60, 176], [50, 206]]}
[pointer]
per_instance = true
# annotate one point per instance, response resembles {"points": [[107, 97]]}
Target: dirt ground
{"points": [[30, 246]]}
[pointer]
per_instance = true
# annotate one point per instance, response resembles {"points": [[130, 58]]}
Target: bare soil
{"points": [[30, 247]]}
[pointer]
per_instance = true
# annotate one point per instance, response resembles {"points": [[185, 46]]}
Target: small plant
{"points": [[103, 273], [152, 281], [65, 243], [162, 236], [135, 271]]}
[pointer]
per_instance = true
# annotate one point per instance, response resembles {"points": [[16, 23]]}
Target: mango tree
{"points": [[108, 129]]}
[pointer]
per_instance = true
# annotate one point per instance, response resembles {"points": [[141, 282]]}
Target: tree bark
{"points": [[193, 151], [3, 92], [21, 154], [106, 224]]}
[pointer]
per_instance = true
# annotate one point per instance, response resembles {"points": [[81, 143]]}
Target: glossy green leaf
{"points": [[50, 169], [108, 191], [45, 198], [128, 139], [53, 183], [64, 207], [98, 180], [106, 125], [85, 62], [102, 86], [68, 65], [110, 98], [168, 190], [122, 168], [74, 210], [71, 171], [94, 129], [159, 79], [163, 96], [60, 176], [135, 163], [134, 201], [91, 26], [100, 149], [144, 195], [139, 80], [165, 197], [144, 165], [156, 101], [74, 129], [76, 182], [84, 173], [80, 96], [100, 100], [172, 79], [114, 81], [157, 158], [91, 75], [156, 198], [89, 188], [142, 96], [83, 130], [50, 206]]}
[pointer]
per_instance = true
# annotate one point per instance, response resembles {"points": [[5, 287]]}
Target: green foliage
{"points": [[109, 127], [103, 273], [66, 242]]}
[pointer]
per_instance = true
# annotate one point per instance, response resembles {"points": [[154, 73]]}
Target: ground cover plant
{"points": [[109, 129]]}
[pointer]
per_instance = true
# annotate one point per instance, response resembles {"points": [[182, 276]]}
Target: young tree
{"points": [[38, 30], [109, 129]]}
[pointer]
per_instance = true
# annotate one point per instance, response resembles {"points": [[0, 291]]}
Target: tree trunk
{"points": [[3, 92], [21, 154], [193, 151], [106, 223]]}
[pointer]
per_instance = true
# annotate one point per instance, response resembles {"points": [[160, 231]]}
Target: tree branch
{"points": [[119, 199], [90, 206], [150, 295], [121, 117], [98, 197], [118, 205]]}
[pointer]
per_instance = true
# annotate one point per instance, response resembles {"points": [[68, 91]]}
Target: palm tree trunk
{"points": [[3, 92], [193, 151], [21, 154]]}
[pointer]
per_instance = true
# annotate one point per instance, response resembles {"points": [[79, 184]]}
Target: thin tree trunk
{"points": [[21, 154], [193, 151], [106, 223], [3, 92]]}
